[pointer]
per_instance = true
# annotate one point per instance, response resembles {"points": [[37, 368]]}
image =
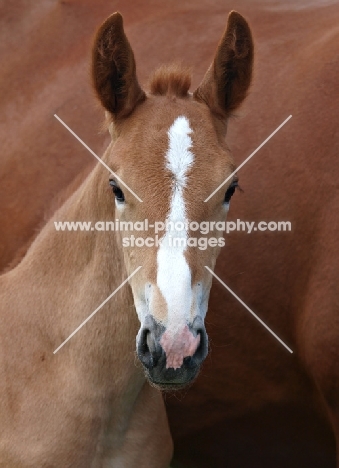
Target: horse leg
{"points": [[148, 441]]}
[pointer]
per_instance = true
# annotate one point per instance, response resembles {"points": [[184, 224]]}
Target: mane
{"points": [[173, 79]]}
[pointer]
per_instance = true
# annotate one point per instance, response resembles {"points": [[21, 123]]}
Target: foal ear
{"points": [[227, 80], [113, 69]]}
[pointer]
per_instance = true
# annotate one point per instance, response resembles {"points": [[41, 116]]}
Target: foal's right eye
{"points": [[230, 191], [119, 194]]}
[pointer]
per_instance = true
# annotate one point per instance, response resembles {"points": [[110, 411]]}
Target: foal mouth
{"points": [[173, 379], [168, 386]]}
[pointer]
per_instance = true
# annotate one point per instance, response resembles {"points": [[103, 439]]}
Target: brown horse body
{"points": [[289, 279]]}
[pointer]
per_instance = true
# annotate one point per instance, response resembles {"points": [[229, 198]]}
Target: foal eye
{"points": [[119, 194], [230, 191]]}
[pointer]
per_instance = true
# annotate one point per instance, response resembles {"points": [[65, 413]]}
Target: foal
{"points": [[90, 405]]}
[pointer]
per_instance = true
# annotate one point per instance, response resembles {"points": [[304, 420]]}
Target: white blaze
{"points": [[174, 275]]}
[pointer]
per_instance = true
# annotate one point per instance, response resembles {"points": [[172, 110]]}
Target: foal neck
{"points": [[72, 273]]}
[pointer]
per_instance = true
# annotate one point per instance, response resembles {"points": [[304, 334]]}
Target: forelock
{"points": [[174, 80]]}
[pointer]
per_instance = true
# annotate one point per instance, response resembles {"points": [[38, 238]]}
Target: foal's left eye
{"points": [[119, 194], [230, 191]]}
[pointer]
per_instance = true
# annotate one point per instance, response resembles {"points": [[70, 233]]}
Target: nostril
{"points": [[144, 340], [199, 333], [150, 342], [201, 351], [147, 349]]}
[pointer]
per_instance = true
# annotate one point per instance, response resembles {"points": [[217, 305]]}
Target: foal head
{"points": [[168, 147]]}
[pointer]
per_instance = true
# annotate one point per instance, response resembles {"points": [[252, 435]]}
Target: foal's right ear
{"points": [[113, 69], [227, 80]]}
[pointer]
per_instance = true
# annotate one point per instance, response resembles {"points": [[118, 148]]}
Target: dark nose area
{"points": [[198, 328], [153, 356], [148, 347]]}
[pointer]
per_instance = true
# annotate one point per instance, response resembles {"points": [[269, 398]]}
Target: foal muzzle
{"points": [[172, 358]]}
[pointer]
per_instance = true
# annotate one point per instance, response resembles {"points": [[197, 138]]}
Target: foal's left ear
{"points": [[227, 80], [113, 69]]}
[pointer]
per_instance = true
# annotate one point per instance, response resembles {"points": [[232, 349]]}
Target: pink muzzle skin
{"points": [[178, 345]]}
